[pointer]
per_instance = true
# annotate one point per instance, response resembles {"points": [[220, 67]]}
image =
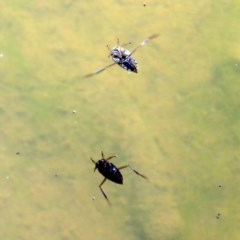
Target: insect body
{"points": [[111, 172], [123, 57]]}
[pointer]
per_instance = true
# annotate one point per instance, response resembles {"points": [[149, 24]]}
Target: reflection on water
{"points": [[177, 120]]}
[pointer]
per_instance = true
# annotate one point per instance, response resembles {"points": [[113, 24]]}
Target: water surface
{"points": [[176, 121]]}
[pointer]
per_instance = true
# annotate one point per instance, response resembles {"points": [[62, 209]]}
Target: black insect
{"points": [[111, 172], [123, 57]]}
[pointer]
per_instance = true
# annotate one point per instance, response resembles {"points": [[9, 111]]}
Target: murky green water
{"points": [[177, 120]]}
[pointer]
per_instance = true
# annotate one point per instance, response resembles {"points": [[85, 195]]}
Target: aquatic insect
{"points": [[123, 57], [111, 172]]}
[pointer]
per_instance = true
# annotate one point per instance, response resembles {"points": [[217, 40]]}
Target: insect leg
{"points": [[109, 49], [149, 38], [125, 44], [108, 157], [93, 161], [118, 43], [105, 196], [122, 45], [141, 175], [99, 70], [143, 43]]}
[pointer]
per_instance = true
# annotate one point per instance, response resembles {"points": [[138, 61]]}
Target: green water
{"points": [[176, 121]]}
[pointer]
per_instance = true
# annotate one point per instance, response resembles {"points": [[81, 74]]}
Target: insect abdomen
{"points": [[110, 171], [128, 66]]}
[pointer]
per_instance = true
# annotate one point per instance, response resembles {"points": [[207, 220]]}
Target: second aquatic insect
{"points": [[123, 57]]}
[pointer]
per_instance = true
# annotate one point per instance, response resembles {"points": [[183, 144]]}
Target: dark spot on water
{"points": [[17, 153]]}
